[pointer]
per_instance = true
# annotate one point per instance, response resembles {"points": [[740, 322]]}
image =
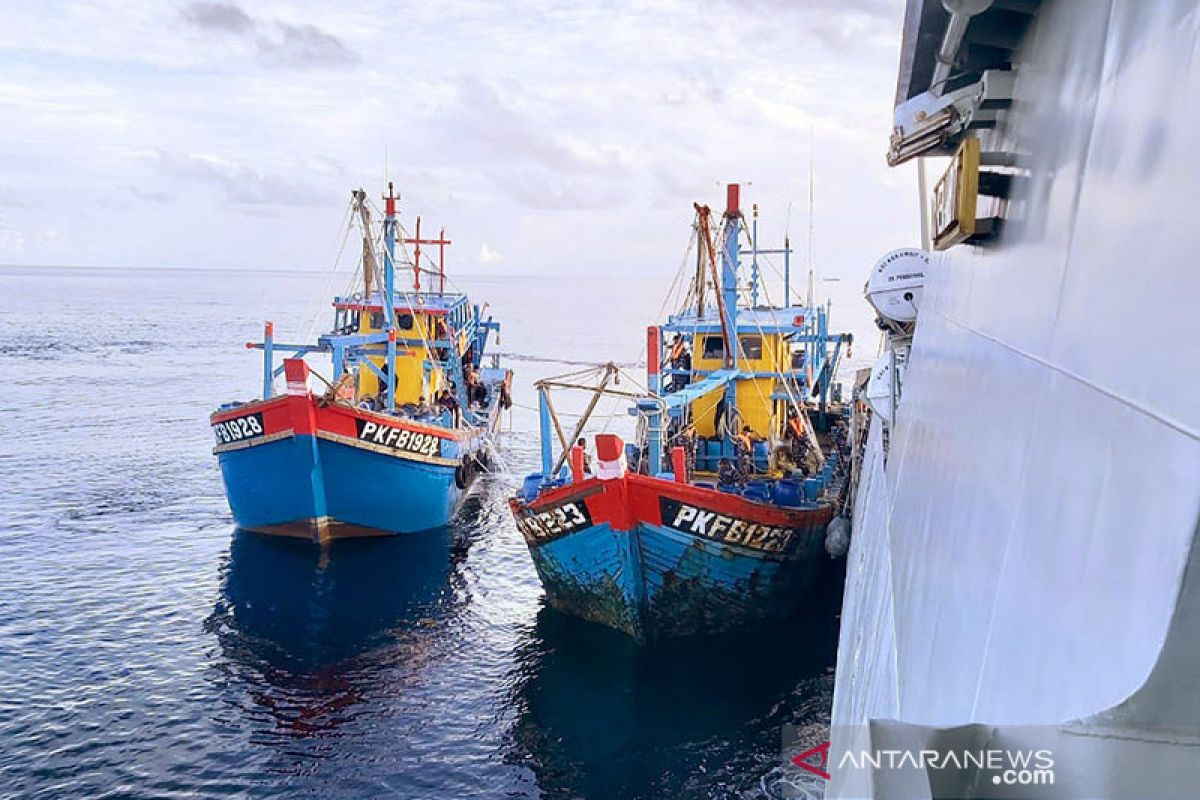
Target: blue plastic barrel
{"points": [[812, 488], [529, 489], [789, 493]]}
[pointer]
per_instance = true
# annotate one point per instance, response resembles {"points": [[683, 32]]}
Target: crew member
{"points": [[680, 359], [743, 445], [477, 393], [686, 439], [796, 434], [449, 402], [728, 475]]}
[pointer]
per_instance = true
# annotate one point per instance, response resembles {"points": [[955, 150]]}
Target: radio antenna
{"points": [[810, 217]]}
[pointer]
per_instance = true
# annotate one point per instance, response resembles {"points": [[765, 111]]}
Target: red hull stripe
{"points": [[301, 414], [624, 502]]}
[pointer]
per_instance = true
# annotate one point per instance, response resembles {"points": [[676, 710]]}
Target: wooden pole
{"points": [[609, 369]]}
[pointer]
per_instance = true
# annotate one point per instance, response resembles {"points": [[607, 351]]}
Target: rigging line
{"points": [[800, 409], [346, 224], [642, 350], [679, 273], [566, 361], [411, 300]]}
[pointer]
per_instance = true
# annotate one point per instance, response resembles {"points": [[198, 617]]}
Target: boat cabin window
{"points": [[403, 321], [751, 346], [798, 359], [714, 347]]}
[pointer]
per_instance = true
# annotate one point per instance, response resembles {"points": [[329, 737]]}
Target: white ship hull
{"points": [[1029, 555]]}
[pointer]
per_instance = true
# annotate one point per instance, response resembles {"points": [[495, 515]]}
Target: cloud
{"points": [[306, 46], [487, 255], [241, 183], [512, 133], [220, 17], [278, 43]]}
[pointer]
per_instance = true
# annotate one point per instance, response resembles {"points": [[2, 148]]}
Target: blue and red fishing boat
{"points": [[715, 517], [394, 438]]}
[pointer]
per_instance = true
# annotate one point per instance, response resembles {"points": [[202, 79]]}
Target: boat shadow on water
{"points": [[600, 716], [305, 633]]}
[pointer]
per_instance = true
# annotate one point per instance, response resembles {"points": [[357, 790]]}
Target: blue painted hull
{"points": [[653, 581], [312, 487]]}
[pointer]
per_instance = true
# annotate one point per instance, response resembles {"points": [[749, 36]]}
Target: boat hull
{"points": [[657, 559], [325, 472]]}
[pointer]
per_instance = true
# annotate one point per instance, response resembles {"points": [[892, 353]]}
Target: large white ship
{"points": [[1025, 558]]}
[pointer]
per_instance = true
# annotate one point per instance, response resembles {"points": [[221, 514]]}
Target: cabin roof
{"points": [[750, 320], [434, 303]]}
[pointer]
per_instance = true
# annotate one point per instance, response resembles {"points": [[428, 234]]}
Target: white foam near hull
{"points": [[1023, 558]]}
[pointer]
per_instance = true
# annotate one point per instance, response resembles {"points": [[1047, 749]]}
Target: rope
{"points": [[347, 226], [566, 361]]}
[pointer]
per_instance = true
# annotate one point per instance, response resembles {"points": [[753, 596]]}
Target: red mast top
{"points": [[732, 192]]}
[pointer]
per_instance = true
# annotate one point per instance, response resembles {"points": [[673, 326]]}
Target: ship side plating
{"points": [[1028, 553]]}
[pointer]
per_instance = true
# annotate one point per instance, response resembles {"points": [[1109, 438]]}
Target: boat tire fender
{"points": [[464, 472], [837, 536]]}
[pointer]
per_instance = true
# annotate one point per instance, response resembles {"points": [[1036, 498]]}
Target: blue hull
{"points": [[311, 487], [653, 581]]}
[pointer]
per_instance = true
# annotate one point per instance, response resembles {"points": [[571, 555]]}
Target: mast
{"points": [[729, 266], [701, 259], [364, 216], [389, 292], [754, 257], [810, 225]]}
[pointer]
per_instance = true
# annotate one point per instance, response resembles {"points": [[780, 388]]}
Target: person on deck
{"points": [[728, 475], [440, 333], [743, 445], [686, 438], [798, 441], [448, 402], [477, 393], [680, 359]]}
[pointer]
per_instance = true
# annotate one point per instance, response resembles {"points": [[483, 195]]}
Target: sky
{"points": [[547, 138]]}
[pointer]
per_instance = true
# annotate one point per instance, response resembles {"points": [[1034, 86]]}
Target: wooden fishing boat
{"points": [[715, 517], [392, 441]]}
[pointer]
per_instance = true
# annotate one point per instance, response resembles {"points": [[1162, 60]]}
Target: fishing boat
{"points": [[715, 516], [393, 440]]}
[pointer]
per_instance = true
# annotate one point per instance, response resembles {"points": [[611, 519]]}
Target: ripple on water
{"points": [[149, 651]]}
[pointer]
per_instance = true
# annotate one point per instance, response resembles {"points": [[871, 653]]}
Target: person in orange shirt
{"points": [[743, 445]]}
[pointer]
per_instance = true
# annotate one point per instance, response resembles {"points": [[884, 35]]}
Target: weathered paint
{"points": [[628, 569]]}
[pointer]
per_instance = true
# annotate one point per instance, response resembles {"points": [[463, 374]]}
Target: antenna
{"points": [[810, 217], [787, 253]]}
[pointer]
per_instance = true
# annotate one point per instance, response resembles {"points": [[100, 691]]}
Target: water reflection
{"points": [[598, 716], [305, 631]]}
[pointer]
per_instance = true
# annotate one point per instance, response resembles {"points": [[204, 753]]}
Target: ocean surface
{"points": [[149, 650]]}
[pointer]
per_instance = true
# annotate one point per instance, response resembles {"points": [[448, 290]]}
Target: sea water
{"points": [[149, 650]]}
